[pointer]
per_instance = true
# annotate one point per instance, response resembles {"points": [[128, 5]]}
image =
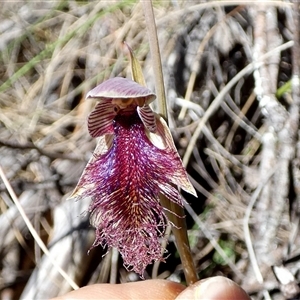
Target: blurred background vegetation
{"points": [[221, 64]]}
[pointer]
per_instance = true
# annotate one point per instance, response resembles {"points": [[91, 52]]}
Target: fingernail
{"points": [[214, 288], [206, 285]]}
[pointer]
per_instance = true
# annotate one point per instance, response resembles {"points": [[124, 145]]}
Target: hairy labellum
{"points": [[134, 162]]}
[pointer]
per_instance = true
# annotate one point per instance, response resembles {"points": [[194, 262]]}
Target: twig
{"points": [[198, 7], [48, 50], [196, 65], [218, 100], [296, 54], [248, 240], [33, 231], [114, 266], [164, 245], [213, 241], [200, 112], [32, 146]]}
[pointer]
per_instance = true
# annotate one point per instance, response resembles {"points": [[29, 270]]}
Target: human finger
{"points": [[214, 288], [148, 289]]}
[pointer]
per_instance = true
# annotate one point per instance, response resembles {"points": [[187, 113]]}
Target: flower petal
{"points": [[148, 117], [179, 176], [139, 246], [101, 118], [122, 88], [136, 69], [103, 145], [124, 184]]}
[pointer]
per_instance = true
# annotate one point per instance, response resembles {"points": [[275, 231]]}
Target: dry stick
{"points": [[174, 211], [286, 130], [31, 146], [234, 116], [264, 23], [198, 110], [296, 82], [236, 123], [175, 15], [114, 266], [196, 66], [248, 240], [33, 231], [164, 245], [218, 100], [296, 54], [213, 241]]}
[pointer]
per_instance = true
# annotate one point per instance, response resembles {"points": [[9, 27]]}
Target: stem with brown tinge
{"points": [[175, 212]]}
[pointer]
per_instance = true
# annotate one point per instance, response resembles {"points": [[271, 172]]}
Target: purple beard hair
{"points": [[126, 182]]}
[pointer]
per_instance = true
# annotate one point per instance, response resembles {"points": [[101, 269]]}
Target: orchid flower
{"points": [[135, 160]]}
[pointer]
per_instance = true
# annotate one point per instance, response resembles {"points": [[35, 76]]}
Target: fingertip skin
{"points": [[214, 288], [146, 290]]}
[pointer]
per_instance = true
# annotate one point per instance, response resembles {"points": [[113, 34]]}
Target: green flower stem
{"points": [[179, 229], [176, 214], [157, 68]]}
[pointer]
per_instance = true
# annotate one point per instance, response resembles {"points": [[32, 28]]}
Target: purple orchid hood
{"points": [[135, 160]]}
